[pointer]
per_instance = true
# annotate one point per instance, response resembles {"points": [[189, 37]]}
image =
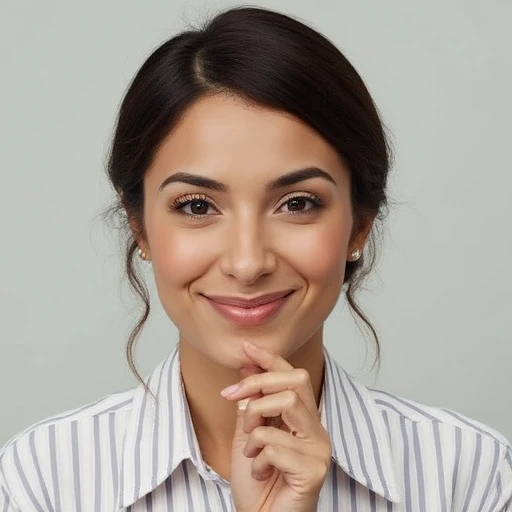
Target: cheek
{"points": [[318, 252], [179, 256]]}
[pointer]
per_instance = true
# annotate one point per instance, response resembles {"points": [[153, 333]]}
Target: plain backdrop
{"points": [[440, 73]]}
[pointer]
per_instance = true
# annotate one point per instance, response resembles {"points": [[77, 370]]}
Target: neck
{"points": [[213, 416]]}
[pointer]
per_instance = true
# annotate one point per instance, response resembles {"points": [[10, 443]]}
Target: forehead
{"points": [[221, 133]]}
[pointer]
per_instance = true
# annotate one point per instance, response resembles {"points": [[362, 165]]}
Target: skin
{"points": [[250, 241]]}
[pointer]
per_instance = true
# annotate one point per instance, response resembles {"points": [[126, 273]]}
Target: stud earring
{"points": [[355, 254], [142, 254]]}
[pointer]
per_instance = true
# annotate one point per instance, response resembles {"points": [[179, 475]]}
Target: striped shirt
{"points": [[126, 452]]}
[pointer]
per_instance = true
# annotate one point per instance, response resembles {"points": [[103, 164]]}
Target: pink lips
{"points": [[249, 311]]}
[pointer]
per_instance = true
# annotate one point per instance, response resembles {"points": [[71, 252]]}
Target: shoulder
{"points": [[398, 407], [45, 450], [116, 403], [475, 457]]}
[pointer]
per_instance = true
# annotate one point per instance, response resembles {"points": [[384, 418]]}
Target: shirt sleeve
{"points": [[6, 501], [503, 484]]}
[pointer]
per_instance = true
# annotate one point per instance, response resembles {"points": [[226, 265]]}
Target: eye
{"points": [[302, 203], [193, 205]]}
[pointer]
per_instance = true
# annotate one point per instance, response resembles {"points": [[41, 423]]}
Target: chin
{"points": [[231, 353]]}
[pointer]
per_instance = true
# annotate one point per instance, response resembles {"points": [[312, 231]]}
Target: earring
{"points": [[142, 254], [355, 254]]}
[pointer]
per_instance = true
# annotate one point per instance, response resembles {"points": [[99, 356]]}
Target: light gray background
{"points": [[440, 73]]}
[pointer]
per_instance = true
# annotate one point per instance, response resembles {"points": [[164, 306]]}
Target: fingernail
{"points": [[242, 404], [230, 389], [251, 345]]}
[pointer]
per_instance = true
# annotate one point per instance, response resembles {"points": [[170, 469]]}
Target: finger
{"points": [[249, 370], [267, 383], [289, 406], [240, 436], [261, 436], [266, 359], [306, 471]]}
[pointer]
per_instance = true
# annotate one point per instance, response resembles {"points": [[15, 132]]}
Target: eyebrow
{"points": [[286, 180]]}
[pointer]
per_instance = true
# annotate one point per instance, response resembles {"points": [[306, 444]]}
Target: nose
{"points": [[247, 254]]}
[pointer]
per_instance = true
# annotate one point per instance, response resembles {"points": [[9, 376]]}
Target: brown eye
{"points": [[296, 204], [194, 207], [301, 204], [199, 207]]}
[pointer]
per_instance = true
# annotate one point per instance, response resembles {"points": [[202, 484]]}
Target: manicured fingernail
{"points": [[252, 345], [242, 404], [230, 389]]}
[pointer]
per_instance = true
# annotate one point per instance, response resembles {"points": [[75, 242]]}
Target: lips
{"points": [[249, 312], [242, 302]]}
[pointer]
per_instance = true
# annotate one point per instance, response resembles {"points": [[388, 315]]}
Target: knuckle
{"points": [[320, 471], [259, 433], [248, 382], [302, 376], [325, 454], [291, 398], [270, 451]]}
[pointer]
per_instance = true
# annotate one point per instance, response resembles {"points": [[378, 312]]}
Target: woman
{"points": [[251, 166]]}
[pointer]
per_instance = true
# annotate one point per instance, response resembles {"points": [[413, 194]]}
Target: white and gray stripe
{"points": [[123, 452]]}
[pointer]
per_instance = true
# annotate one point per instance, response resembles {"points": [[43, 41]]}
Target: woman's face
{"points": [[228, 218]]}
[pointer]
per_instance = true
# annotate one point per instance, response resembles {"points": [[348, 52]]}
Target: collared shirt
{"points": [[126, 452]]}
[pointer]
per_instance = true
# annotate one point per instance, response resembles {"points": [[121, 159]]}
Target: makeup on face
{"points": [[248, 220], [249, 312]]}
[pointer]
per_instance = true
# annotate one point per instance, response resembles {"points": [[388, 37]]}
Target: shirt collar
{"points": [[160, 435]]}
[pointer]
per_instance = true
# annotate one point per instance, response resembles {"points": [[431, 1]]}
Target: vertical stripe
{"points": [[206, 501], [406, 466], [190, 437], [353, 495], [440, 469], [187, 486], [171, 396], [491, 476], [474, 472], [24, 481], [332, 392], [334, 486], [113, 452], [97, 465], [76, 464], [419, 467], [371, 497], [81, 466], [224, 506], [168, 494], [458, 449], [138, 443], [53, 464], [42, 484], [149, 503], [5, 498], [356, 431], [373, 437], [389, 507], [156, 426]]}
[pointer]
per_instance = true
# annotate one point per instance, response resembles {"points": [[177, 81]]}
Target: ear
{"points": [[359, 239], [135, 228]]}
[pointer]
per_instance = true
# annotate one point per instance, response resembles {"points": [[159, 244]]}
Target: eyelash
{"points": [[179, 204]]}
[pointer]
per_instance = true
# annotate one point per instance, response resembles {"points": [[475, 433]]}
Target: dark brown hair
{"points": [[267, 59]]}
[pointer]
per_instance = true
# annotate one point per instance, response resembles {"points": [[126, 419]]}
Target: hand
{"points": [[277, 468]]}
